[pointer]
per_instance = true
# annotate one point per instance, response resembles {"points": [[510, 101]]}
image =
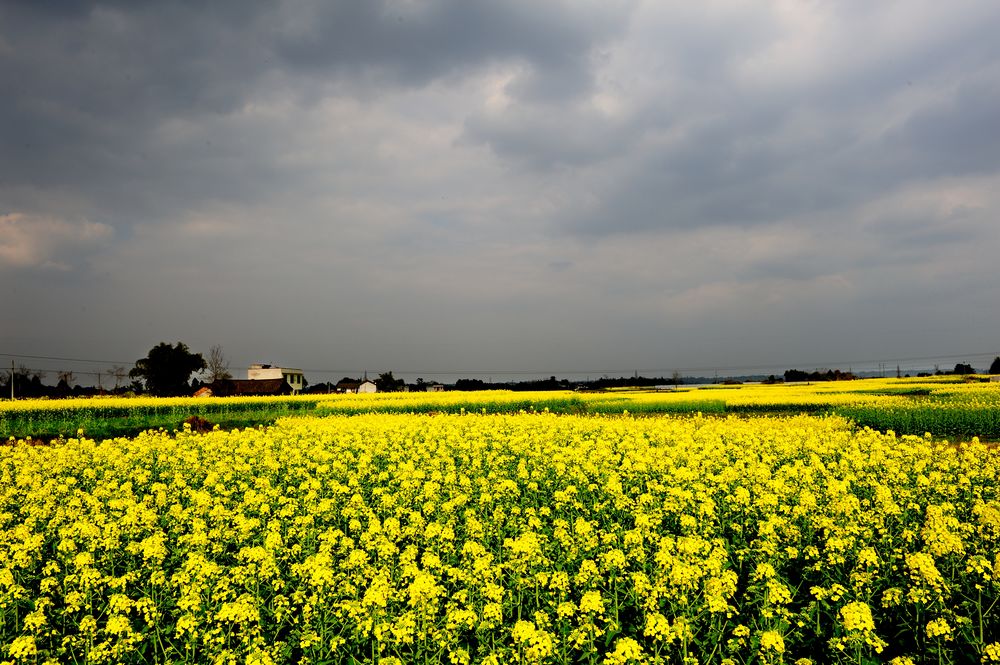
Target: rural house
{"points": [[238, 387], [293, 377], [347, 386]]}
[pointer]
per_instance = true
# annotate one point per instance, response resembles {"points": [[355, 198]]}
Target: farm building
{"points": [[364, 386], [293, 377], [235, 387]]}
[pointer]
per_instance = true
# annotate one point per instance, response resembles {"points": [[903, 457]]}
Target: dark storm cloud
{"points": [[423, 175], [739, 139], [414, 43], [90, 84], [747, 168]]}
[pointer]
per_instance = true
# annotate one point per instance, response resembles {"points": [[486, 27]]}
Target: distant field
{"points": [[109, 417], [943, 407]]}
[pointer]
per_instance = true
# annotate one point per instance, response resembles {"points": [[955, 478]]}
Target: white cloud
{"points": [[29, 241]]}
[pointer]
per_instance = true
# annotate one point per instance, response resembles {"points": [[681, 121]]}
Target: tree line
{"points": [[167, 369]]}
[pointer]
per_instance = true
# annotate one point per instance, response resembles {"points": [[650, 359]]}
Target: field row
{"points": [[955, 410]]}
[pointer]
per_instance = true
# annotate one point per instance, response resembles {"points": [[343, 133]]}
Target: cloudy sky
{"points": [[468, 186]]}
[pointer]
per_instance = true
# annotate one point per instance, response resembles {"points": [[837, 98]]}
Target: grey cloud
{"points": [[749, 167], [91, 86], [415, 177], [95, 88], [715, 148], [416, 43], [954, 137], [542, 138]]}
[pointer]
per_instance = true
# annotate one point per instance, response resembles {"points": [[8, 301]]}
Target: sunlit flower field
{"points": [[507, 538]]}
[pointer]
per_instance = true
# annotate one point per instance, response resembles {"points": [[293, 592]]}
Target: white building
{"points": [[367, 386], [293, 377]]}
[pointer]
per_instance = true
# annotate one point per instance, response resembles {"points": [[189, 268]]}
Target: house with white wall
{"points": [[293, 377]]}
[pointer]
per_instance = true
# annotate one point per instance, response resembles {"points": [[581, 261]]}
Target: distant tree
{"points": [[793, 375], [963, 368], [26, 382], [470, 384], [995, 366], [67, 377], [676, 379], [218, 365], [323, 387], [166, 369], [387, 383]]}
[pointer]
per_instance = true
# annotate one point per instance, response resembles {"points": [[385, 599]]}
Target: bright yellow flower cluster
{"points": [[532, 538]]}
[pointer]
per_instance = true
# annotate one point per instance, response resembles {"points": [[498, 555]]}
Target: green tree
{"points": [[387, 383], [995, 367], [166, 369]]}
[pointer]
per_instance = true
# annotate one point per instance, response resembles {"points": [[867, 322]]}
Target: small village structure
{"points": [[293, 377], [244, 387], [365, 385], [261, 380]]}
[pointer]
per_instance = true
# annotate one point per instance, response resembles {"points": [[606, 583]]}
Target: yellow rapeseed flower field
{"points": [[502, 538]]}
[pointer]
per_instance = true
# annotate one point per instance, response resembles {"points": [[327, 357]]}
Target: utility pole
{"points": [[11, 380]]}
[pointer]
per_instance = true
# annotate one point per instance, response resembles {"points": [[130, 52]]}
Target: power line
{"points": [[46, 370], [72, 360]]}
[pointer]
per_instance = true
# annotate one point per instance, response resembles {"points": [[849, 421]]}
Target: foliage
{"points": [[165, 371], [387, 383]]}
